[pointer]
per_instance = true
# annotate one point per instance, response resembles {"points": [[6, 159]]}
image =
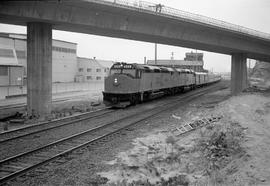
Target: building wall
{"points": [[21, 53], [11, 75], [57, 88], [64, 61], [91, 70], [64, 57], [7, 52], [16, 76]]}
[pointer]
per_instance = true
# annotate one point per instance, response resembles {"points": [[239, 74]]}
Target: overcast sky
{"points": [[253, 14]]}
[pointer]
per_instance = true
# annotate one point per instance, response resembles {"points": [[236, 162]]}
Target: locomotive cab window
{"points": [[115, 71], [130, 72], [123, 68]]}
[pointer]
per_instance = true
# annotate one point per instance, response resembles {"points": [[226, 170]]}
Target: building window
{"points": [[3, 71], [89, 77], [6, 53], [98, 78], [80, 69], [21, 54], [89, 70], [65, 50], [98, 70]]}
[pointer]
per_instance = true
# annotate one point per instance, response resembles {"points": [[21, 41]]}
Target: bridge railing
{"points": [[179, 14]]}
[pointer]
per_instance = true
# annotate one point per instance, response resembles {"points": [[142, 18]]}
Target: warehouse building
{"points": [[13, 50]]}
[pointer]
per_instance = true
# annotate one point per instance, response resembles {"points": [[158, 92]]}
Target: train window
{"points": [[131, 72], [115, 71]]}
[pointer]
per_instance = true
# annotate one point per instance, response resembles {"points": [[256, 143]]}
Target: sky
{"points": [[254, 14]]}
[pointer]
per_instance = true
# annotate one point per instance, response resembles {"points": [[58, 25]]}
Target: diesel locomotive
{"points": [[129, 84]]}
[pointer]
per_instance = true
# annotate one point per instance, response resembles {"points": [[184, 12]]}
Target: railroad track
{"points": [[44, 126], [20, 164]]}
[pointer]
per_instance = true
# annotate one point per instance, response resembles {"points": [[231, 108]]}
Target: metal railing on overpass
{"points": [[183, 15]]}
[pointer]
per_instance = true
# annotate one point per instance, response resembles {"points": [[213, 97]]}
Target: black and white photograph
{"points": [[135, 93]]}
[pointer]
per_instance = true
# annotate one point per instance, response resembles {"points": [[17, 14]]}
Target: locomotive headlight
{"points": [[115, 80]]}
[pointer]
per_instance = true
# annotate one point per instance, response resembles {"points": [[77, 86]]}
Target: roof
{"points": [[151, 67], [184, 70], [105, 63], [200, 73], [24, 37]]}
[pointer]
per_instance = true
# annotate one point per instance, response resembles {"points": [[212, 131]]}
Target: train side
{"points": [[132, 83]]}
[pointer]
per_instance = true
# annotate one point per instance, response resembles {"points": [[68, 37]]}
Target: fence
{"points": [[183, 15], [56, 88]]}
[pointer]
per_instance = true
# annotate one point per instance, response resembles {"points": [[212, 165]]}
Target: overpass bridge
{"points": [[137, 20]]}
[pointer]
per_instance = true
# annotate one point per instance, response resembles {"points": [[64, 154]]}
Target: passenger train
{"points": [[129, 84]]}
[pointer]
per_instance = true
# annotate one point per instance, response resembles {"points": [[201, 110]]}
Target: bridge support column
{"points": [[39, 69], [238, 73]]}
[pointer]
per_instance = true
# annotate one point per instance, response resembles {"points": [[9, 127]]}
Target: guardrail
{"points": [[179, 14]]}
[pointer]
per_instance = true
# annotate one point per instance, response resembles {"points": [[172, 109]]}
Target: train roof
{"points": [[150, 68], [201, 73], [184, 70]]}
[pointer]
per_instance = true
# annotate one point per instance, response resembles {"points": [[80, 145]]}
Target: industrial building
{"points": [[13, 50], [92, 69]]}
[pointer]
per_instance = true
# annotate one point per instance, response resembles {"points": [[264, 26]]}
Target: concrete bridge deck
{"points": [[140, 22]]}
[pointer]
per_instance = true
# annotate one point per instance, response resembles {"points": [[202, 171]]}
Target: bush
{"points": [[219, 144]]}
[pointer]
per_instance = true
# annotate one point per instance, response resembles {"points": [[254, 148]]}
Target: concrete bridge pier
{"points": [[39, 69], [238, 73]]}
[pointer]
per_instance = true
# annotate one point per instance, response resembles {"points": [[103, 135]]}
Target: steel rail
{"points": [[22, 132], [146, 115]]}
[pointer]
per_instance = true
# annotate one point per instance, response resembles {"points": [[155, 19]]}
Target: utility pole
{"points": [[158, 8], [155, 53], [249, 70]]}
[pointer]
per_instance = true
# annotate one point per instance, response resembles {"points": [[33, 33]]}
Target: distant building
{"points": [[192, 61], [92, 69], [13, 50]]}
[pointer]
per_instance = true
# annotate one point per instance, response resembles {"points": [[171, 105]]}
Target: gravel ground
{"points": [[27, 143], [64, 104], [82, 171]]}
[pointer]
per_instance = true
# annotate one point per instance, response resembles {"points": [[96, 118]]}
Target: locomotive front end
{"points": [[120, 85]]}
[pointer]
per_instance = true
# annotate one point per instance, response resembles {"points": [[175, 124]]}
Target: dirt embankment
{"points": [[260, 75], [234, 150]]}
